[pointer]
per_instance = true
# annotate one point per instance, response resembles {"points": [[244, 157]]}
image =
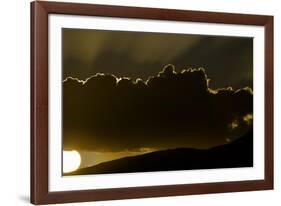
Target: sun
{"points": [[71, 161]]}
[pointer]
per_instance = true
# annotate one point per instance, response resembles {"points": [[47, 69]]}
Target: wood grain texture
{"points": [[39, 102]]}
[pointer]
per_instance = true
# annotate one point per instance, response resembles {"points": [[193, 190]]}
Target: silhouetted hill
{"points": [[238, 153]]}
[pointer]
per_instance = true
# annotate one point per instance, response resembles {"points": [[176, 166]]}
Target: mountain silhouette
{"points": [[238, 153]]}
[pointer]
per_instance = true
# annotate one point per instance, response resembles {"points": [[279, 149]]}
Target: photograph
{"points": [[132, 102], [136, 101]]}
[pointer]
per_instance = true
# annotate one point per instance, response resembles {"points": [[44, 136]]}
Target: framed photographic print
{"points": [[131, 102]]}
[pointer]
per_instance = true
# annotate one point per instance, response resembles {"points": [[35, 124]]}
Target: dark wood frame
{"points": [[39, 102]]}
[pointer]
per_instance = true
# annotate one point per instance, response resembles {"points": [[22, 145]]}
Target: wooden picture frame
{"points": [[40, 193]]}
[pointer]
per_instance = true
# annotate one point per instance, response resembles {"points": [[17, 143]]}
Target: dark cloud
{"points": [[140, 54], [170, 110]]}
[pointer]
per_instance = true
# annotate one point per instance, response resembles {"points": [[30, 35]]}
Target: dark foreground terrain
{"points": [[238, 153]]}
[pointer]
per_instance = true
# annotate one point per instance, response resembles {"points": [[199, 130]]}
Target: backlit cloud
{"points": [[169, 110]]}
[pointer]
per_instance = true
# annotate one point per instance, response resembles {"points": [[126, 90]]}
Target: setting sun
{"points": [[71, 161]]}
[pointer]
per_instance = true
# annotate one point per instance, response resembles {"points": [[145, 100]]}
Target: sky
{"points": [[227, 60], [129, 93]]}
